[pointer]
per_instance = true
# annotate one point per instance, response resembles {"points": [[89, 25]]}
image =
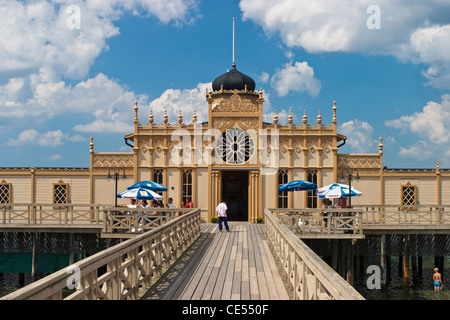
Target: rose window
{"points": [[235, 146]]}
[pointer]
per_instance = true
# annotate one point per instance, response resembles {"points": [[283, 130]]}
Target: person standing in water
{"points": [[437, 278]]}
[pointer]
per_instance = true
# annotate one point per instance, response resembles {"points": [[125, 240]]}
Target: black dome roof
{"points": [[233, 79]]}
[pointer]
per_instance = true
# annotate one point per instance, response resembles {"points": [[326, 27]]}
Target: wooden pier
{"points": [[176, 257], [235, 265]]}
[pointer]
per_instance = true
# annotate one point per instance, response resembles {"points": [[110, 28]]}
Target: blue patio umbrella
{"points": [[298, 185], [140, 194], [148, 185]]}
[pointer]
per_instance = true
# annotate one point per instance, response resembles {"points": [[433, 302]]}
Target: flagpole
{"points": [[233, 46]]}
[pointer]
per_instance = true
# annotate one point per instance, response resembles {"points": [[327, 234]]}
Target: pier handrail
{"points": [[131, 266], [327, 222], [51, 213], [310, 278], [136, 220]]}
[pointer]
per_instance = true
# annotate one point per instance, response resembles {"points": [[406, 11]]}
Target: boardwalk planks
{"points": [[236, 265]]}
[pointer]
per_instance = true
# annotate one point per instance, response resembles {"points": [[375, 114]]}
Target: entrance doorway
{"points": [[235, 192]]}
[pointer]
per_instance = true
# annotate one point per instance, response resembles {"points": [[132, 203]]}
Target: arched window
{"points": [[187, 185], [158, 177], [282, 195], [312, 197]]}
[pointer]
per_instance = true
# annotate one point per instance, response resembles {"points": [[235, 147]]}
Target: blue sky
{"points": [[61, 83]]}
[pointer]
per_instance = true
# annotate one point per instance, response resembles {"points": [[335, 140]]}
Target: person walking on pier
{"points": [[221, 211], [437, 278]]}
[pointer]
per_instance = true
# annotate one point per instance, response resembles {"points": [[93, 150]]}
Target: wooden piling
{"points": [[414, 258], [349, 262], [383, 260], [35, 257], [406, 258]]}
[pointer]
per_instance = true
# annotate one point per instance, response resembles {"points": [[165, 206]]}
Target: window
{"points": [[187, 185], [312, 197], [282, 195], [60, 192], [235, 146], [158, 177], [5, 192], [409, 194]]}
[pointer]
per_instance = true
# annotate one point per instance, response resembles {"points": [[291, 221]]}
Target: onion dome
{"points": [[232, 80]]}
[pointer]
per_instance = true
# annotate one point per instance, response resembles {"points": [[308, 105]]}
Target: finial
{"points": [[260, 93], [319, 118], [290, 117], [180, 118], [166, 118], [91, 145], [194, 118], [334, 112], [438, 171], [150, 118], [380, 146], [305, 118], [275, 117], [135, 111]]}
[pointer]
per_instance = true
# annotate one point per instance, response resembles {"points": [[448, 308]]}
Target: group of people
{"points": [[328, 204], [144, 204]]}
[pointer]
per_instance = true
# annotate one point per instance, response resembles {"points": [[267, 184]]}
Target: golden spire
{"points": [[91, 145], [136, 112], [166, 118], [194, 117], [380, 146], [180, 118], [334, 112], [290, 117], [319, 118], [150, 118], [275, 117], [305, 118]]}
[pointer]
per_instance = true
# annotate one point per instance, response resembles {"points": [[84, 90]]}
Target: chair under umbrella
{"points": [[148, 185], [139, 194], [337, 190]]}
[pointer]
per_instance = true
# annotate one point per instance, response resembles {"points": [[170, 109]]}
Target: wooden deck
{"points": [[235, 265]]}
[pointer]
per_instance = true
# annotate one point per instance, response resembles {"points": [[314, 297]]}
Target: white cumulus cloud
{"points": [[295, 77], [359, 135], [411, 30], [185, 100]]}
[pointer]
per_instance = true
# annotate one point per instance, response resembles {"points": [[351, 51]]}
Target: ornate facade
{"points": [[234, 155]]}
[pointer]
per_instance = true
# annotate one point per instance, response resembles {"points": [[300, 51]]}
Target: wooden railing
{"points": [[51, 214], [324, 222], [309, 277], [405, 217], [126, 221], [122, 271]]}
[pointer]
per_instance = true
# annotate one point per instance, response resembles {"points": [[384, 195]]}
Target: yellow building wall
{"points": [[445, 191], [20, 188], [104, 189], [173, 186], [78, 188]]}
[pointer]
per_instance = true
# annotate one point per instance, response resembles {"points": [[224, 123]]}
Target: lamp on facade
{"points": [[348, 175], [116, 178]]}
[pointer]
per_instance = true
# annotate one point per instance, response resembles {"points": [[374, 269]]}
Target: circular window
{"points": [[235, 146]]}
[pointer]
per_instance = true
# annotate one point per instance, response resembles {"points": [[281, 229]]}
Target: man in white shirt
{"points": [[221, 211]]}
